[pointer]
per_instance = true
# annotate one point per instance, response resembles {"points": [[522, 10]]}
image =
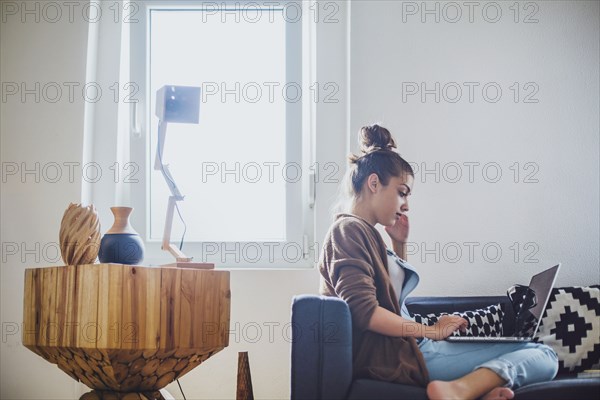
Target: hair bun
{"points": [[375, 137], [372, 138]]}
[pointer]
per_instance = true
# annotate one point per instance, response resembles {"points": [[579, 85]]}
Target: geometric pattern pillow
{"points": [[571, 326], [482, 322]]}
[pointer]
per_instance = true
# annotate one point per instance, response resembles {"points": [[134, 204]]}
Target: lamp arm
{"points": [[166, 243], [164, 168], [162, 133], [173, 199]]}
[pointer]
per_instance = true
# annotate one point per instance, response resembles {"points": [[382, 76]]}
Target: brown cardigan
{"points": [[353, 267]]}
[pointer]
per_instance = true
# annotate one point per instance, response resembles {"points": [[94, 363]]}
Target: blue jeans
{"points": [[517, 363]]}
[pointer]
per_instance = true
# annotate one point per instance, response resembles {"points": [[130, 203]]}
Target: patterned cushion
{"points": [[482, 322], [571, 326]]}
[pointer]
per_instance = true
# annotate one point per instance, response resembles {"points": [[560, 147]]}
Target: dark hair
{"points": [[378, 156]]}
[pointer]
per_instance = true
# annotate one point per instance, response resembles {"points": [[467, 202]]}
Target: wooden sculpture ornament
{"points": [[79, 235]]}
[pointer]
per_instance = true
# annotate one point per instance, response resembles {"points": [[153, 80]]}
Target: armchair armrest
{"points": [[321, 348]]}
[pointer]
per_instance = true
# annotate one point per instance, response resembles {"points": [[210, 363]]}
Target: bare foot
{"points": [[499, 393], [441, 390]]}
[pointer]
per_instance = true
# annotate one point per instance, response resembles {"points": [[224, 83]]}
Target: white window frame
{"points": [[300, 227]]}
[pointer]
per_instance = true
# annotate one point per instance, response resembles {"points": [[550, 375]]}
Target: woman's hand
{"points": [[447, 324], [399, 231]]}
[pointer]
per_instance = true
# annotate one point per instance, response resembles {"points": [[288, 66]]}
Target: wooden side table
{"points": [[123, 329]]}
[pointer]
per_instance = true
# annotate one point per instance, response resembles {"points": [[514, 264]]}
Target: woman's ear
{"points": [[373, 182]]}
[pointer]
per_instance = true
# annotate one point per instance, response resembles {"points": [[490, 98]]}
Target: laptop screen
{"points": [[541, 286]]}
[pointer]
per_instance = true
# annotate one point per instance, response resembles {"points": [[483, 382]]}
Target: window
{"points": [[244, 169]]}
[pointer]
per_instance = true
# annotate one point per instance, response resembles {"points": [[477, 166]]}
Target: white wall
{"points": [[557, 217], [36, 133], [560, 134]]}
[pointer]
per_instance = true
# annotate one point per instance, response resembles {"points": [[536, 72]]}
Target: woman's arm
{"points": [[387, 323]]}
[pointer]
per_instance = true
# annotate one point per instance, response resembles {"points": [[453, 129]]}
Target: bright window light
{"points": [[231, 167]]}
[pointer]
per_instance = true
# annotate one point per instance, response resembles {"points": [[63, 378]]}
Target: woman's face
{"points": [[391, 200]]}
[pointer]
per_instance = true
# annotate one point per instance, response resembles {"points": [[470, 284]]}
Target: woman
{"points": [[356, 266]]}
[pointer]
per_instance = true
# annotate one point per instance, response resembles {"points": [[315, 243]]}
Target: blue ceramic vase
{"points": [[121, 244]]}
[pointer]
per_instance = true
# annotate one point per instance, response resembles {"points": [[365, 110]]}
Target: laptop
{"points": [[541, 287]]}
